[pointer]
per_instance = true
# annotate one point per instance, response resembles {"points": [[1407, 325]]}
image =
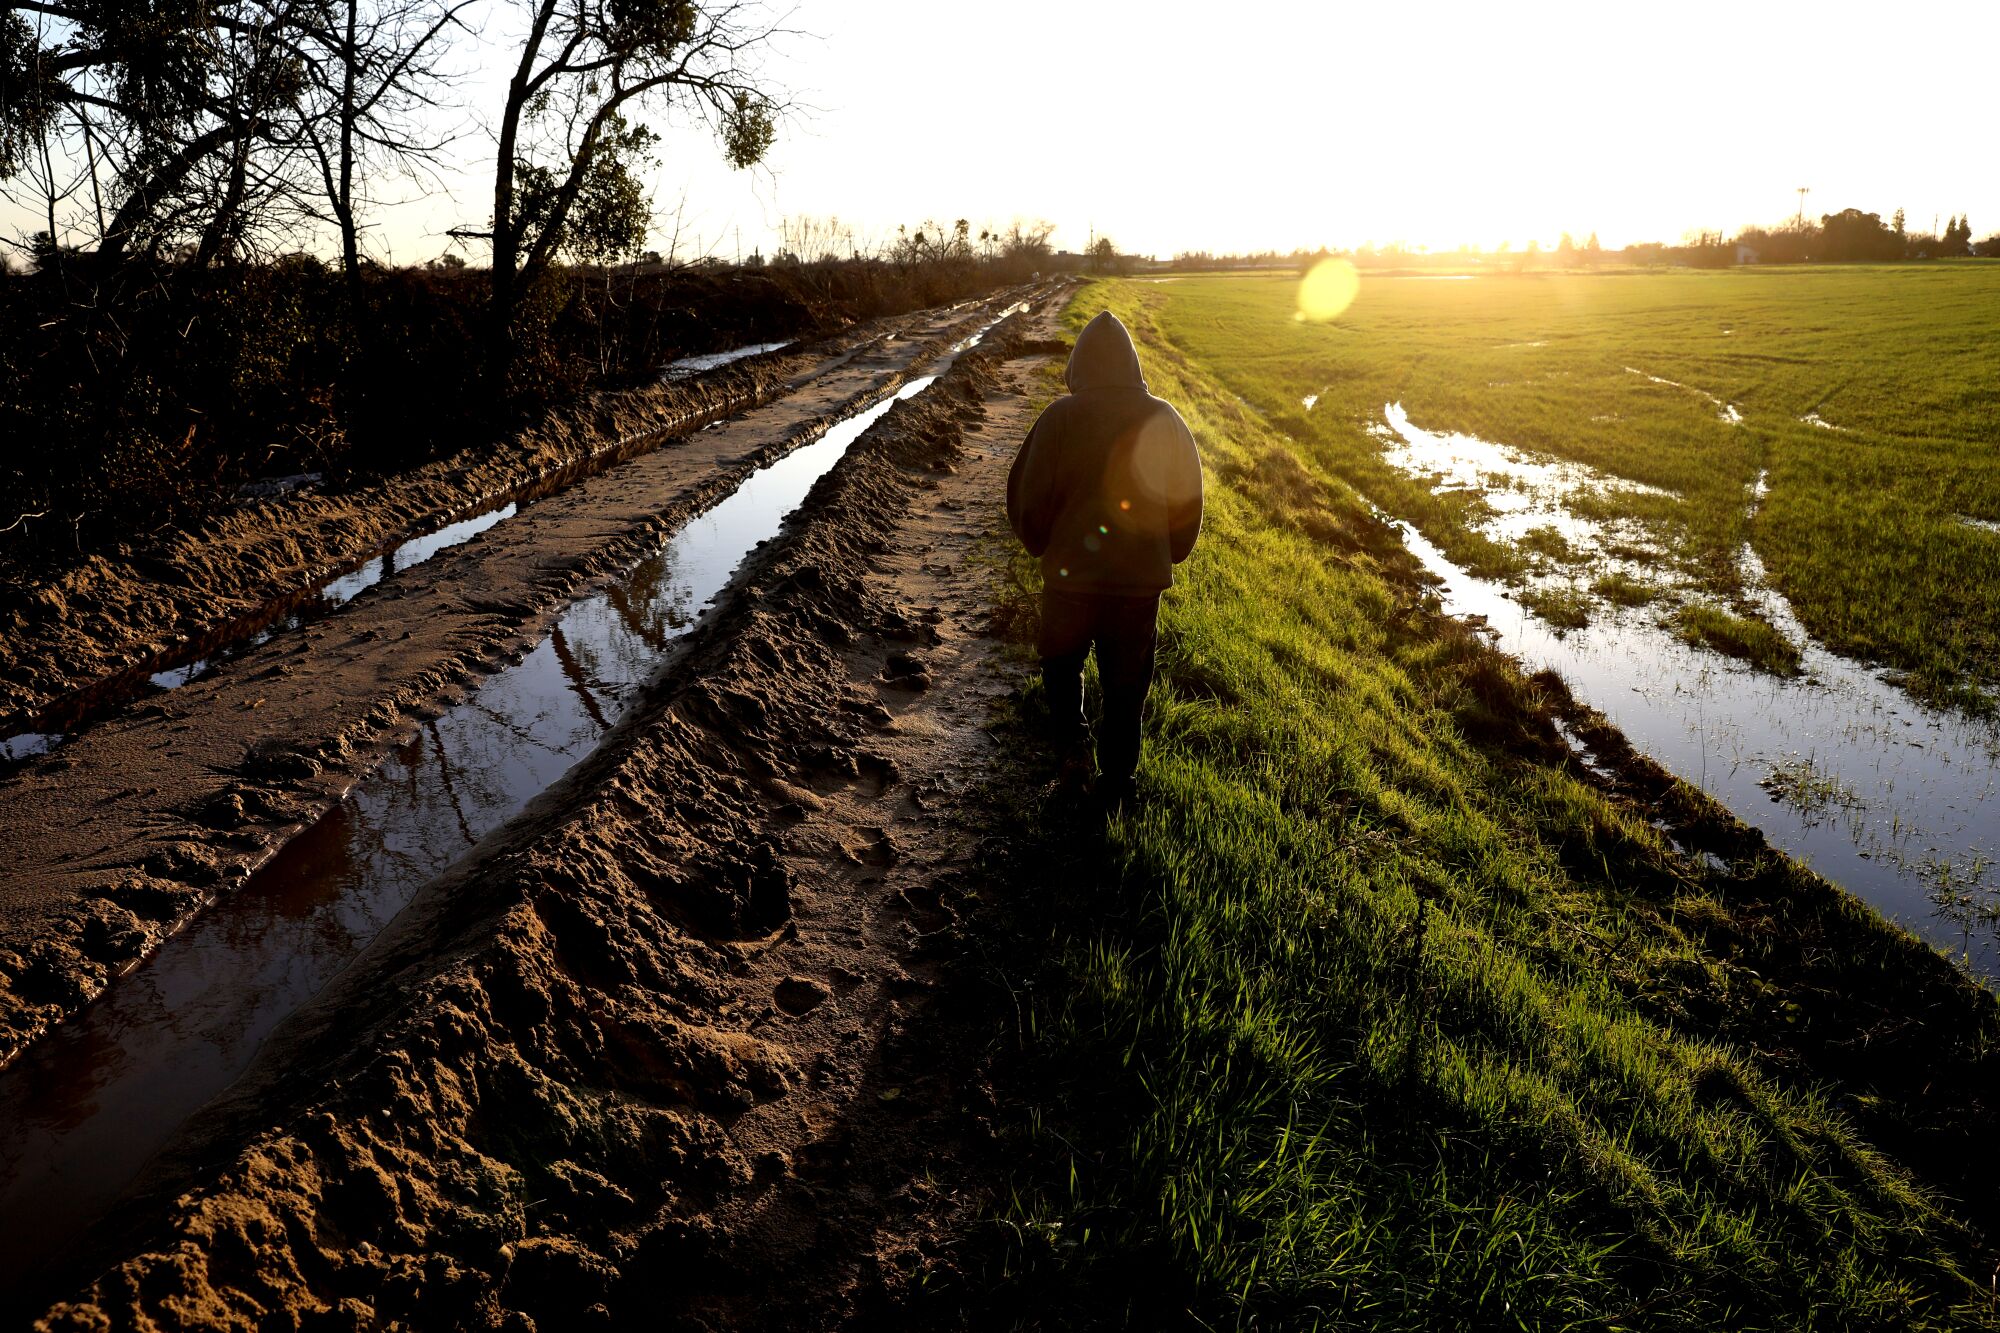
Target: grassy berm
{"points": [[1381, 1012]]}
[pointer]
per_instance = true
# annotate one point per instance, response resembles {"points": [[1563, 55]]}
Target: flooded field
{"points": [[1749, 516], [1836, 764]]}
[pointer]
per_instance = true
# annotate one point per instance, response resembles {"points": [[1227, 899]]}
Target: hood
{"points": [[1104, 358]]}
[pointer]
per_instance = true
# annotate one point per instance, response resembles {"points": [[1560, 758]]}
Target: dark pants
{"points": [[1122, 630]]}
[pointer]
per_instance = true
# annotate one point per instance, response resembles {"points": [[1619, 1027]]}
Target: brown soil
{"points": [[659, 1053], [120, 835]]}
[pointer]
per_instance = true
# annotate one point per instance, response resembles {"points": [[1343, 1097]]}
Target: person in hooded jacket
{"points": [[1107, 492]]}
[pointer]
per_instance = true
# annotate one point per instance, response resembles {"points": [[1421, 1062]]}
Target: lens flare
{"points": [[1327, 290]]}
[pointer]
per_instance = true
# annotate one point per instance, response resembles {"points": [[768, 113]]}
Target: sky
{"points": [[1260, 124]]}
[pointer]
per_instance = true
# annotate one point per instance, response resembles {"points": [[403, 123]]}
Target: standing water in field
{"points": [[84, 1109], [1898, 802], [1727, 411]]}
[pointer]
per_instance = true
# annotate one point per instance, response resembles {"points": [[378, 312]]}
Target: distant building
{"points": [[1746, 254]]}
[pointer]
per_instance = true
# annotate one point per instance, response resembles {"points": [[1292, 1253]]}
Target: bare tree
{"points": [[805, 239], [583, 65], [1028, 240], [376, 83]]}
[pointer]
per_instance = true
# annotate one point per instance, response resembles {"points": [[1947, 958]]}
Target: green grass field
{"points": [[1862, 528], [1378, 1015]]}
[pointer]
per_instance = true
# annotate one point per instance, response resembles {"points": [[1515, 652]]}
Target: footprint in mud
{"points": [[901, 625], [828, 767], [906, 671], [113, 934], [877, 773], [797, 995], [188, 863], [877, 851], [152, 899], [927, 907], [872, 711], [224, 810]]}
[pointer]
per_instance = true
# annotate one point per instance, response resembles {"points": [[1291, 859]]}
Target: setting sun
{"points": [[1327, 290]]}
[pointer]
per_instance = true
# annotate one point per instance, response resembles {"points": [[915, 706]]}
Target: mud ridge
{"points": [[182, 849], [532, 1095]]}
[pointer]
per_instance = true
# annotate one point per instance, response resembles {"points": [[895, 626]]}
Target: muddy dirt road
{"points": [[119, 835], [652, 1049]]}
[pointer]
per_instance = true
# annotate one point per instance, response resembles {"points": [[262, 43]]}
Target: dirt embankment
{"points": [[655, 1052], [116, 611], [122, 834]]}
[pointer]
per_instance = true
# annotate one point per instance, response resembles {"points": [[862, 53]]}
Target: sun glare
{"points": [[1328, 290]]}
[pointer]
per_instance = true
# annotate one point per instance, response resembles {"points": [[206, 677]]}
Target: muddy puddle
{"points": [[695, 365], [84, 1109], [338, 591], [27, 744], [1898, 802]]}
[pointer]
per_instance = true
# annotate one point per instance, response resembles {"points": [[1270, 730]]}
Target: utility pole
{"points": [[1804, 190]]}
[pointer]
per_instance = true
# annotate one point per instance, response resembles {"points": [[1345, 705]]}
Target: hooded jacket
{"points": [[1107, 487]]}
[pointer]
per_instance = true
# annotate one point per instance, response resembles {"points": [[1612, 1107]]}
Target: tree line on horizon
{"points": [[1848, 236]]}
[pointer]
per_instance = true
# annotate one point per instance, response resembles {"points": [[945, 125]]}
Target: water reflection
{"points": [[28, 744], [411, 554], [1523, 491], [695, 365], [314, 603]]}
